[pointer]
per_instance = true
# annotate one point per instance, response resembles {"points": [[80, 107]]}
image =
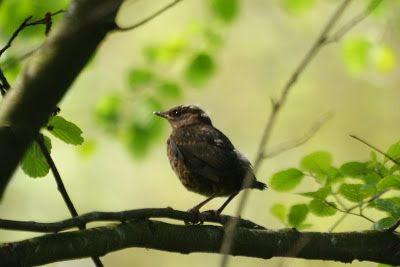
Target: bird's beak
{"points": [[161, 114]]}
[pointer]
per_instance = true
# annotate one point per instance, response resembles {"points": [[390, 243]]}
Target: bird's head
{"points": [[185, 115]]}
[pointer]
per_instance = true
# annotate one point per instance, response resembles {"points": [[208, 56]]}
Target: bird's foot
{"points": [[200, 219], [217, 213]]}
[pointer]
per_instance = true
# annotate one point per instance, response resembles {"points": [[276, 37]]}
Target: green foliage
{"points": [[322, 208], [336, 187], [297, 215], [388, 206], [169, 90], [107, 111], [33, 163], [64, 130], [200, 69], [139, 77], [225, 10], [286, 180], [297, 6], [279, 211]]}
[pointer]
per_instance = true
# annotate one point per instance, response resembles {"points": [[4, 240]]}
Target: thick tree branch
{"points": [[373, 246], [47, 76], [121, 216]]}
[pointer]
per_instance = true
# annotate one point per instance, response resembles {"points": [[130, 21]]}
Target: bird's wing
{"points": [[210, 155]]}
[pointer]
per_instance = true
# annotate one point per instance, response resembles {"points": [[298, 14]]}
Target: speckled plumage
{"points": [[203, 158]]}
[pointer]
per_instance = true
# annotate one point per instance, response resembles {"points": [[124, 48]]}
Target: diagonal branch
{"points": [[344, 247]]}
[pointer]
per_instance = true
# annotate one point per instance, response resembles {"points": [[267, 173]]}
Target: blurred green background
{"points": [[231, 62]]}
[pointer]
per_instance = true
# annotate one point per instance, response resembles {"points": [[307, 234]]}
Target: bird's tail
{"points": [[258, 185]]}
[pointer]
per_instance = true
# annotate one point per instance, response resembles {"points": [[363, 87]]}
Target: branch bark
{"points": [[373, 246], [48, 75]]}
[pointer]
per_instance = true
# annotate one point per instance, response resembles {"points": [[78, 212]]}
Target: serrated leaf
{"points": [[354, 169], [286, 180], [321, 194], [317, 162], [297, 214], [33, 163], [297, 6], [383, 223], [353, 192], [225, 10], [64, 130], [355, 54], [391, 181], [279, 211], [388, 206], [200, 69], [393, 152], [321, 208], [139, 77]]}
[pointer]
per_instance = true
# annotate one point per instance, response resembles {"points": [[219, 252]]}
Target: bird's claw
{"points": [[200, 219]]}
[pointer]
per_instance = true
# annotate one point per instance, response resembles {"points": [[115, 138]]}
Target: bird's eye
{"points": [[177, 113]]}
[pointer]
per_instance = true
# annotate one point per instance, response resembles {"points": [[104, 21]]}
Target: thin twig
{"points": [[140, 23], [377, 149], [278, 149], [60, 185], [121, 216], [393, 227], [276, 106]]}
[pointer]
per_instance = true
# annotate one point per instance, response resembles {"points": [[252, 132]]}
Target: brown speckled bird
{"points": [[203, 158]]}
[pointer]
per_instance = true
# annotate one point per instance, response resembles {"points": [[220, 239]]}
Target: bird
{"points": [[204, 159]]}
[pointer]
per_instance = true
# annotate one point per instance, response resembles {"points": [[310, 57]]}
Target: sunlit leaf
{"points": [[297, 214], [200, 69], [353, 192], [279, 211], [297, 6], [393, 152], [286, 180], [321, 208], [355, 53], [64, 130], [321, 194], [33, 163], [384, 59], [317, 162], [354, 169], [225, 10], [391, 181]]}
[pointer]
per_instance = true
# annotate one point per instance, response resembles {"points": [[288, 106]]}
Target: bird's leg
{"points": [[196, 209], [219, 211]]}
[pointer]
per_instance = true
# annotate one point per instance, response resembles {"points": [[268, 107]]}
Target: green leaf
{"points": [[64, 130], [354, 169], [33, 163], [393, 152], [200, 69], [321, 208], [353, 192], [391, 181], [388, 206], [225, 10], [107, 111], [373, 4], [170, 89], [87, 149], [279, 211], [317, 162], [297, 6], [355, 54], [333, 176], [139, 78], [383, 223], [286, 180], [321, 194], [384, 59], [297, 214]]}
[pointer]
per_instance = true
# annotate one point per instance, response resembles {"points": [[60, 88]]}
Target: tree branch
{"points": [[48, 75], [121, 216], [376, 246]]}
